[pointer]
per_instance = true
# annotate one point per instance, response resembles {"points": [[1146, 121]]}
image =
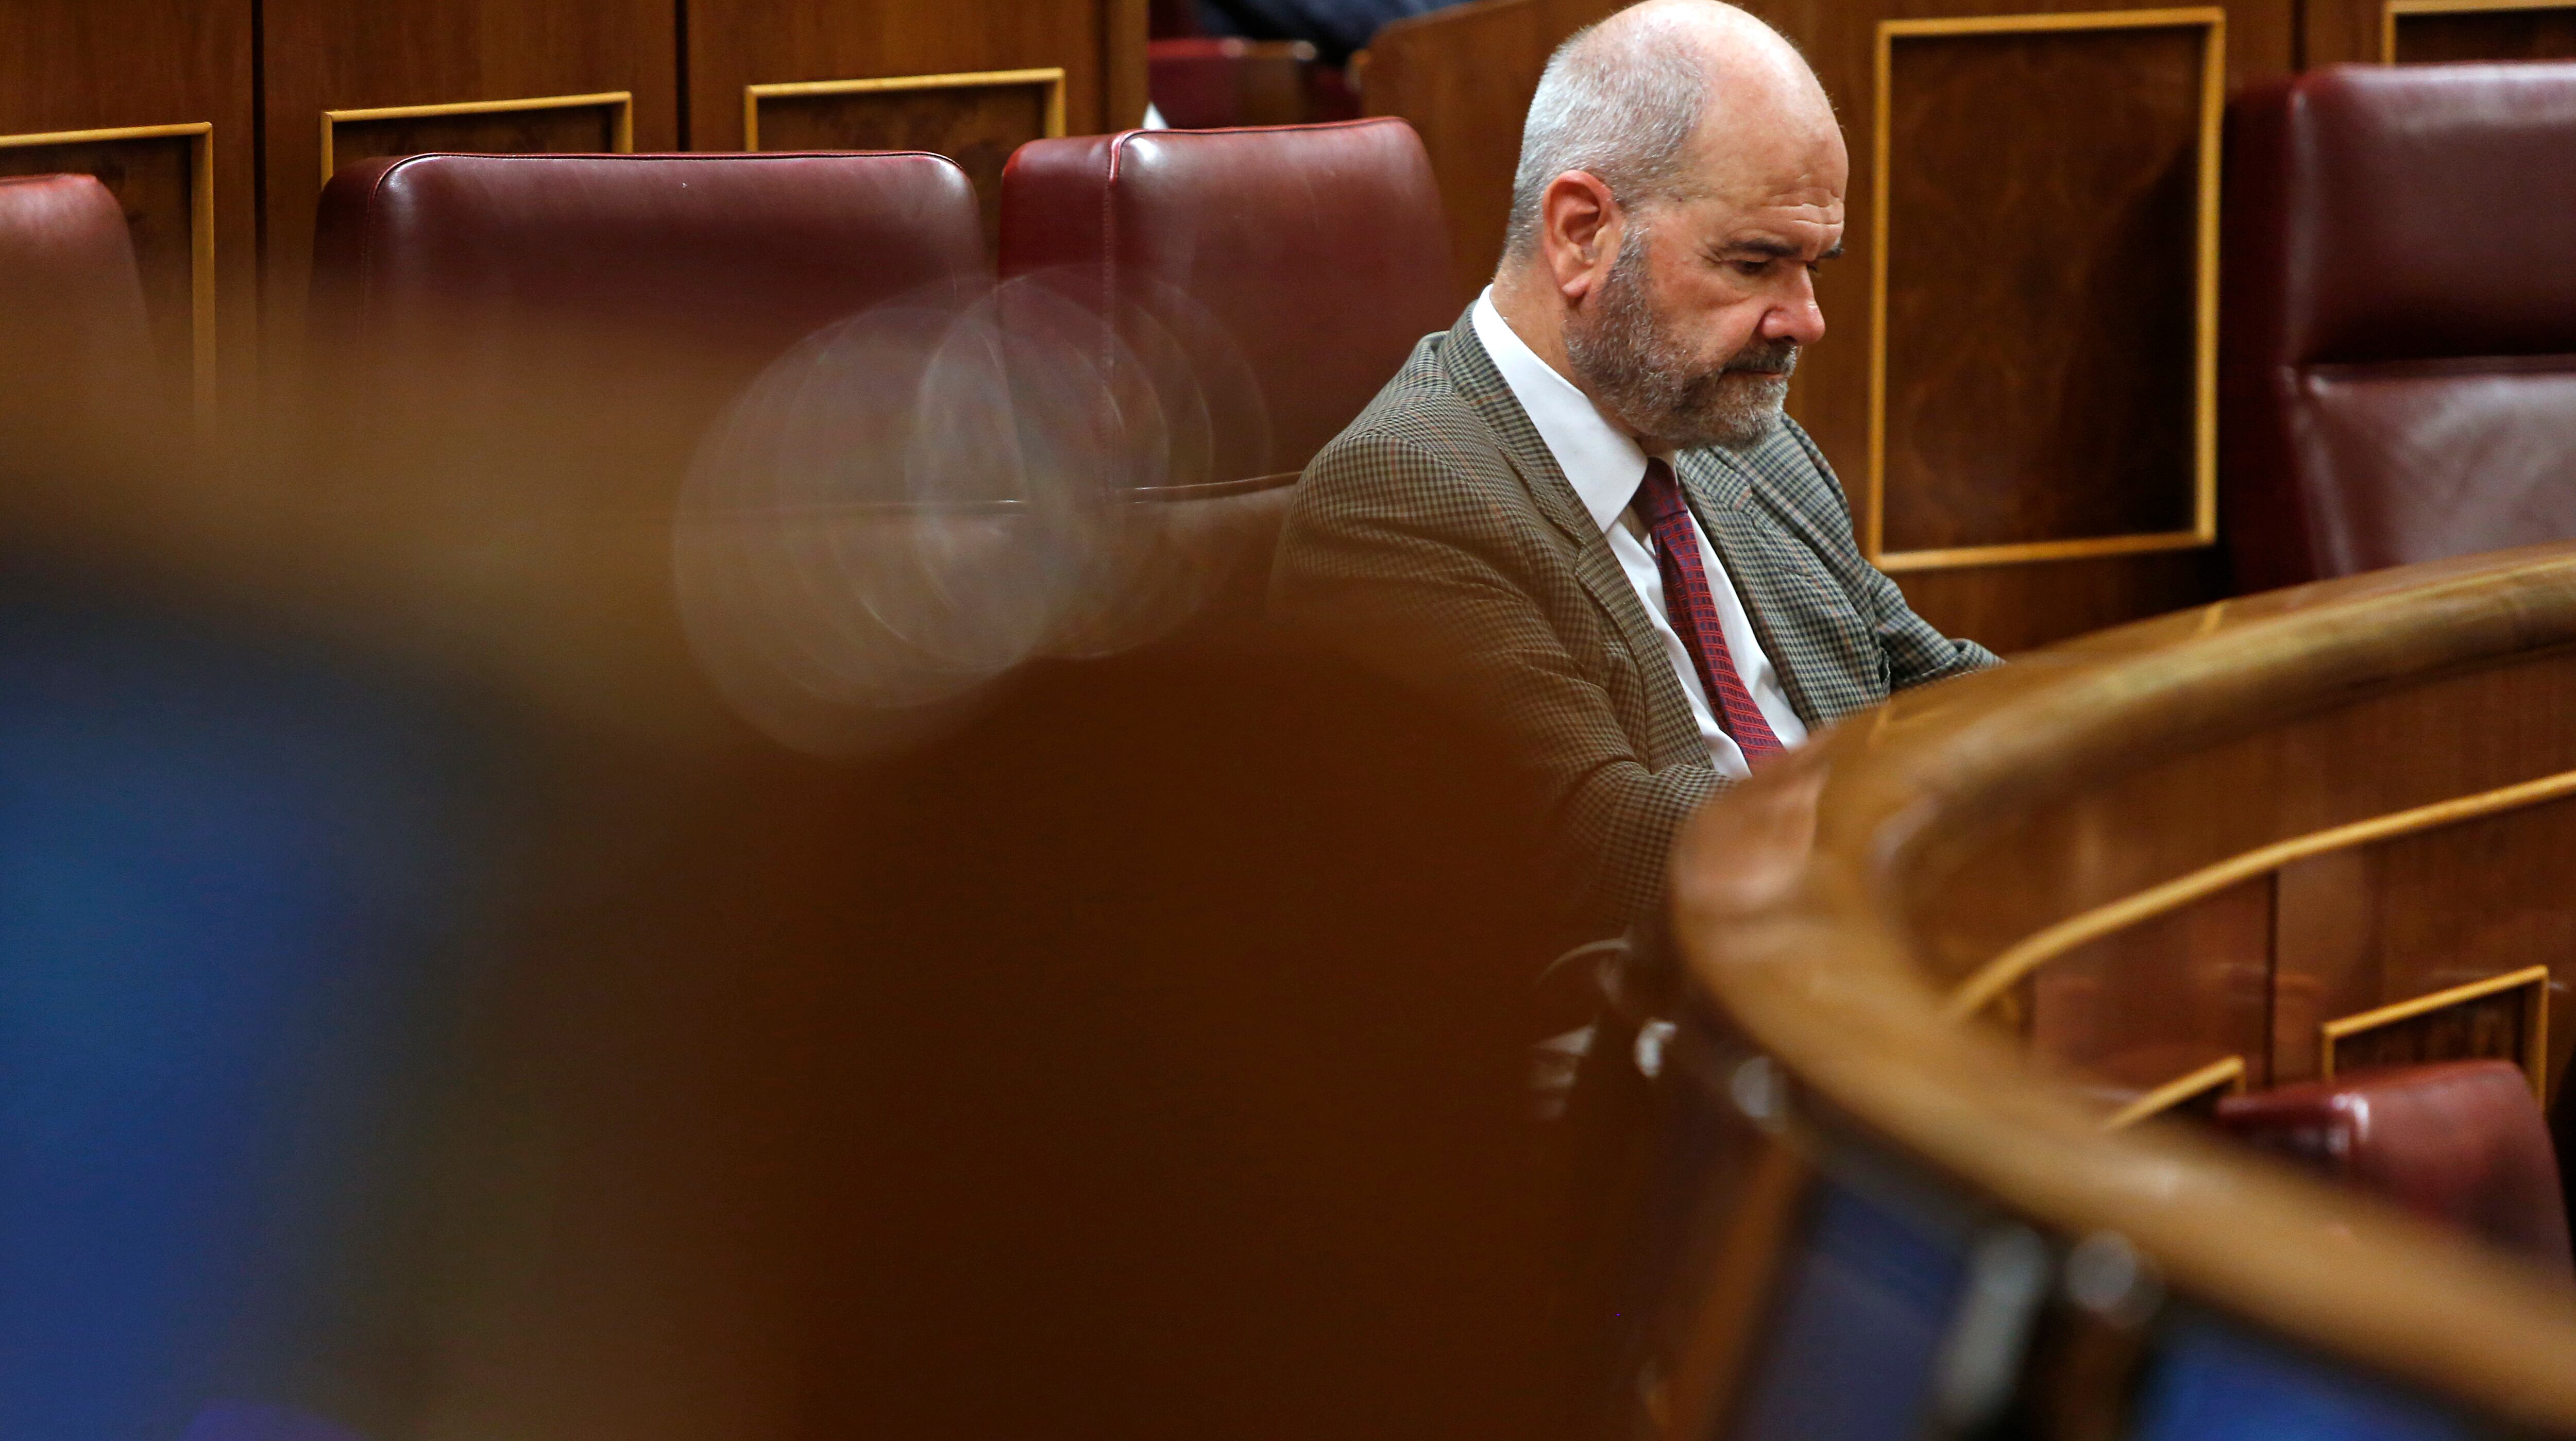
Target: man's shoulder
{"points": [[1422, 417]]}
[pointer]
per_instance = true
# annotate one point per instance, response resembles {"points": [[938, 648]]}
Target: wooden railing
{"points": [[1936, 945]]}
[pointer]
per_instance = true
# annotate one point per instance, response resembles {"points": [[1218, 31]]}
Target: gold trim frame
{"points": [[2213, 107], [1052, 77], [2227, 1075], [201, 232], [2389, 10], [623, 101], [2535, 1025], [1994, 977]]}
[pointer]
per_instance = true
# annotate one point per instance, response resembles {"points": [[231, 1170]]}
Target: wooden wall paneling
{"points": [[1463, 78], [154, 98], [976, 119], [424, 75], [2024, 603], [2169, 997], [932, 73], [2423, 913], [2044, 302], [2432, 31]]}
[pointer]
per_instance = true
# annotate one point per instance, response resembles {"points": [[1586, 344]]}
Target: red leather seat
{"points": [[735, 254], [72, 324], [2399, 336], [2461, 1142], [1263, 284]]}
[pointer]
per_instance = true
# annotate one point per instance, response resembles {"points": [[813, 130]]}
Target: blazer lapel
{"points": [[1675, 735], [1814, 641]]}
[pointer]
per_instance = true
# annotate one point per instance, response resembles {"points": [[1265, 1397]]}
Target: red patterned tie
{"points": [[1694, 613]]}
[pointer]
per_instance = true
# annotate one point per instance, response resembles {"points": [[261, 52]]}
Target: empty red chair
{"points": [[1262, 284], [2399, 326], [736, 256], [73, 330], [2461, 1142]]}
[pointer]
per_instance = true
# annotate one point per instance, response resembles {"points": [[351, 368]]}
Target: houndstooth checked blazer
{"points": [[1438, 537]]}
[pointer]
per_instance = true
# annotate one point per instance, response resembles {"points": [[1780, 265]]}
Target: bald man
{"points": [[1582, 502]]}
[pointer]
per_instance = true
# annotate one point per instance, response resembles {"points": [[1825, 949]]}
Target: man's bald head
{"points": [[1625, 100]]}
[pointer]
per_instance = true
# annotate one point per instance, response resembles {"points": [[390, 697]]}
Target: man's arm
{"points": [[1916, 653], [1393, 553]]}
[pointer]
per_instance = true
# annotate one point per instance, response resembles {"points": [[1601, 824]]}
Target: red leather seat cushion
{"points": [[1294, 266], [745, 252], [2399, 344], [2461, 1142], [72, 319]]}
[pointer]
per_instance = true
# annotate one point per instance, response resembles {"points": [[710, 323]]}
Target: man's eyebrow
{"points": [[1775, 249]]}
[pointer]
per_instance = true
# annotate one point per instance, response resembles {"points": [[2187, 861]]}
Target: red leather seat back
{"points": [[2399, 337], [2461, 1142], [739, 254], [1258, 286], [72, 323], [1306, 261]]}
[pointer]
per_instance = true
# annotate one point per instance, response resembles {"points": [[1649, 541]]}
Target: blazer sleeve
{"points": [[1392, 551], [1917, 654]]}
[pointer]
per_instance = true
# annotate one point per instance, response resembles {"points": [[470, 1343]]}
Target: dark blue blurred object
{"points": [[1865, 1302], [1334, 27], [2210, 1382], [230, 866]]}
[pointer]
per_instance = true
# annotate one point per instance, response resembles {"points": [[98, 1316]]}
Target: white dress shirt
{"points": [[1605, 467]]}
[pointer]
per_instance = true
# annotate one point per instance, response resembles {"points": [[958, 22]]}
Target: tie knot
{"points": [[1659, 495]]}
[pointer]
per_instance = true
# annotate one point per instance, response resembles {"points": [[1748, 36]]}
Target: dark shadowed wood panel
{"points": [[2424, 913], [2160, 999], [157, 179], [734, 44], [325, 55], [86, 65], [1463, 77], [554, 128], [2437, 30], [976, 121], [2439, 35], [2015, 608], [2010, 606], [2043, 261]]}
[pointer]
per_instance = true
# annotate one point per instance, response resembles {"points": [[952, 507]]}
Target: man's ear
{"points": [[1579, 230]]}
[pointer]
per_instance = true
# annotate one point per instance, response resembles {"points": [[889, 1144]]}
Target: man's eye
{"points": [[1753, 268]]}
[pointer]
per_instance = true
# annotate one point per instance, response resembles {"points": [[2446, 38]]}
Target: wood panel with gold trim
{"points": [[2194, 1092], [735, 45], [502, 75], [163, 177], [2501, 1018], [160, 97], [2044, 299], [2431, 31], [976, 119], [543, 124], [2419, 720]]}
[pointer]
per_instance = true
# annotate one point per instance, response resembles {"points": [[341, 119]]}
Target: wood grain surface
{"points": [[320, 55], [1829, 904], [2042, 286], [115, 64]]}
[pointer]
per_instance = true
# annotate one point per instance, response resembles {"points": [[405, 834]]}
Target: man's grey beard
{"points": [[1650, 380]]}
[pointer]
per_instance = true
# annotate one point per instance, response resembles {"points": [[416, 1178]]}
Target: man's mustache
{"points": [[1777, 358]]}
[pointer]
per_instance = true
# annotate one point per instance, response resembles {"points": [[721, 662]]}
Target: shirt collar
{"points": [[1600, 461]]}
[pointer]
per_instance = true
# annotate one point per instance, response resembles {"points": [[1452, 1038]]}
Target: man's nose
{"points": [[1796, 317]]}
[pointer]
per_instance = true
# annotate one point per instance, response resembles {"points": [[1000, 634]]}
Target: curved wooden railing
{"points": [[1941, 923]]}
